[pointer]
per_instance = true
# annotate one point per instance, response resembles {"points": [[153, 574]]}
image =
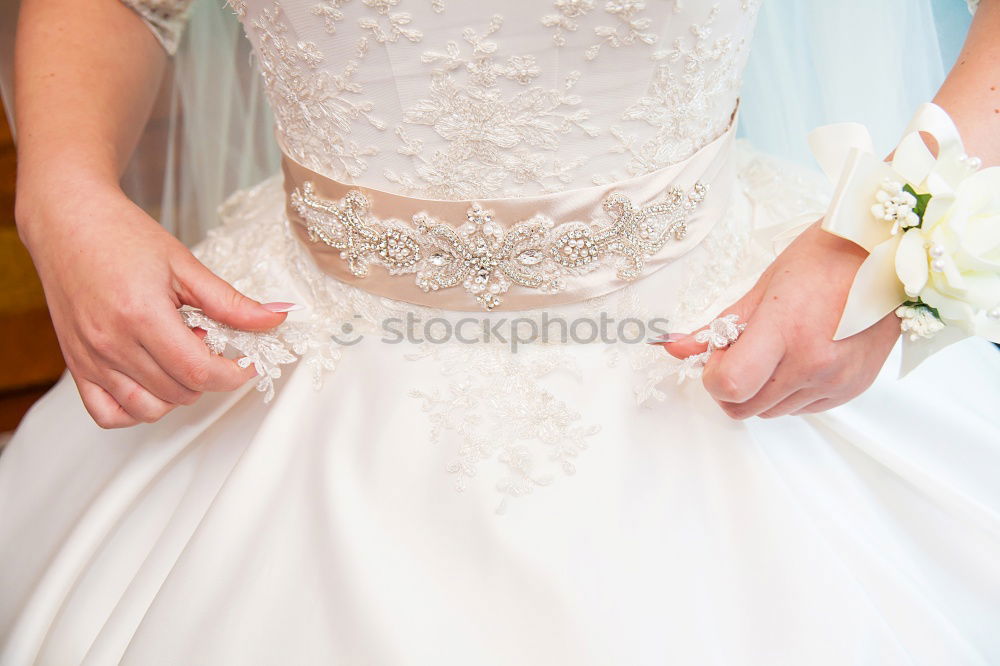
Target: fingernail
{"points": [[280, 306], [666, 338]]}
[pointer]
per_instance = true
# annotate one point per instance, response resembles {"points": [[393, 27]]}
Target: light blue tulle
{"points": [[816, 62]]}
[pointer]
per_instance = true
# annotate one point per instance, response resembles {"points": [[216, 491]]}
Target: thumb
{"points": [[686, 345], [203, 289]]}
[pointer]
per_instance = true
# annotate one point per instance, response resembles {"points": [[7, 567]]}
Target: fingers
{"points": [[738, 373], [201, 288], [820, 406], [148, 373], [137, 402], [743, 308], [685, 346], [144, 392], [167, 365], [104, 409], [187, 360], [785, 360], [793, 403]]}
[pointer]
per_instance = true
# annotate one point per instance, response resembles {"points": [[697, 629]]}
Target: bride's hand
{"points": [[113, 280], [786, 361]]}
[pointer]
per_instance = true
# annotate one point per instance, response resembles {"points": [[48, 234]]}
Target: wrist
{"points": [[42, 205], [845, 251]]}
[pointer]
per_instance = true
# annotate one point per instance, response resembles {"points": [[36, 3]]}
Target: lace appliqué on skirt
{"points": [[498, 409], [495, 406]]}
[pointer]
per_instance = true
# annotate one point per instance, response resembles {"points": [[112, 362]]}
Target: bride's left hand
{"points": [[786, 361]]}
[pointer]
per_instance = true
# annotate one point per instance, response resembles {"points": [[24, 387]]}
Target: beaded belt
{"points": [[514, 253]]}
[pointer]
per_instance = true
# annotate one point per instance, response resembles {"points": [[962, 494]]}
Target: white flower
{"points": [[895, 205], [918, 322], [952, 262]]}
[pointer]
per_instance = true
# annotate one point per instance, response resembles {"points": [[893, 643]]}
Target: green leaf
{"points": [[923, 306], [922, 200]]}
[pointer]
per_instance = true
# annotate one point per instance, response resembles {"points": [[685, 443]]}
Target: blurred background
{"points": [[30, 361]]}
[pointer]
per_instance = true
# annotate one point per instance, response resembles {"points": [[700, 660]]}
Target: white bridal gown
{"points": [[421, 503]]}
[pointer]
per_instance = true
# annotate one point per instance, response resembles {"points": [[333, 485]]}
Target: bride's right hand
{"points": [[113, 280]]}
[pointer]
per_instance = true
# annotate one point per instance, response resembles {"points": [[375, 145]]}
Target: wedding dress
{"points": [[393, 498]]}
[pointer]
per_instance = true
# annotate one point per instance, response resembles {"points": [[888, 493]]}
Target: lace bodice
{"points": [[448, 99], [452, 99], [458, 99]]}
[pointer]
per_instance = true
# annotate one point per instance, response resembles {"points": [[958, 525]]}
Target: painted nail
{"points": [[280, 306], [666, 338]]}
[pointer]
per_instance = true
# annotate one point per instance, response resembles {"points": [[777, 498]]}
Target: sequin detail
{"points": [[486, 259]]}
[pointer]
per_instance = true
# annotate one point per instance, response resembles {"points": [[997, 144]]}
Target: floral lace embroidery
{"points": [[478, 411], [490, 138], [631, 27], [494, 122], [249, 255], [390, 25], [266, 352], [313, 107], [331, 13], [566, 19], [680, 100], [239, 7], [487, 260]]}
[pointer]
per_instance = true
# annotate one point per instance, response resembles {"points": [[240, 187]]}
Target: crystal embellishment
{"points": [[486, 259]]}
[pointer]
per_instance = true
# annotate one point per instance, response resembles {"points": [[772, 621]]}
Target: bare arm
{"points": [[971, 93], [87, 74]]}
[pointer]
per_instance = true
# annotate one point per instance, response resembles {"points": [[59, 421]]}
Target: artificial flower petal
{"points": [[911, 262], [989, 328], [937, 208], [917, 351], [952, 310], [876, 291]]}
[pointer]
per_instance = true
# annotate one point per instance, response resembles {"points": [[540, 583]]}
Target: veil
{"points": [[210, 132], [815, 62], [812, 62]]}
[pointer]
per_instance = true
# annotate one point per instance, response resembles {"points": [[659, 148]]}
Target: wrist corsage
{"points": [[931, 226]]}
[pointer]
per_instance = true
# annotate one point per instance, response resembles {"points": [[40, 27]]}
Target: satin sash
{"points": [[711, 165]]}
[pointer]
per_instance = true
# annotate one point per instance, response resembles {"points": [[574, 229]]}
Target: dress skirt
{"points": [[423, 500]]}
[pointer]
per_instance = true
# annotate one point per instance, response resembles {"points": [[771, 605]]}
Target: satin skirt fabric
{"points": [[464, 504]]}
